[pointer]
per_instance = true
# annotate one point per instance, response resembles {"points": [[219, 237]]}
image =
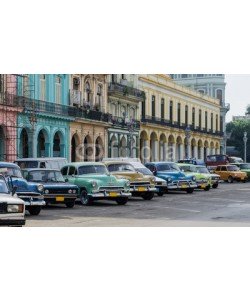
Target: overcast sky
{"points": [[237, 94]]}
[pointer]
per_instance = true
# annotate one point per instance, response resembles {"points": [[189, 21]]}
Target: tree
{"points": [[248, 109], [237, 129]]}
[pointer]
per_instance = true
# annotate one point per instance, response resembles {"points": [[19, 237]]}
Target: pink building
{"points": [[8, 117]]}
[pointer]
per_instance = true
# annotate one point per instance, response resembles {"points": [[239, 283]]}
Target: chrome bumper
{"points": [[146, 189], [180, 186], [104, 195]]}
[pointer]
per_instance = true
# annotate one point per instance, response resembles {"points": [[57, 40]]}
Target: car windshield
{"points": [[45, 176], [92, 169], [12, 171], [203, 170], [3, 187], [144, 171], [188, 168], [245, 166], [121, 168], [27, 164], [232, 168], [168, 167]]}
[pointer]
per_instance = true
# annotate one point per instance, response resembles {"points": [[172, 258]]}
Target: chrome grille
{"points": [[143, 183], [111, 188]]}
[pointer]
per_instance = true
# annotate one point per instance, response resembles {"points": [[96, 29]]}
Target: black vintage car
{"points": [[56, 190]]}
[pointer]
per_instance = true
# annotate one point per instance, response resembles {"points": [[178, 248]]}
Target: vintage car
{"points": [[231, 173], [12, 209], [204, 179], [160, 184], [176, 179], [41, 162], [140, 185], [96, 183], [56, 190], [30, 193], [244, 167]]}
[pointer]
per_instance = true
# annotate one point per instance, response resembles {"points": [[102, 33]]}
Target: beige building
{"points": [[177, 122], [88, 133]]}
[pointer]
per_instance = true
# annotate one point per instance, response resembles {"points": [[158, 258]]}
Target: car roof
{"points": [[40, 169], [185, 164], [161, 162], [84, 163], [7, 164], [116, 162], [41, 159]]}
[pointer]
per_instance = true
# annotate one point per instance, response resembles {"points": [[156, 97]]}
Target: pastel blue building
{"points": [[44, 125]]}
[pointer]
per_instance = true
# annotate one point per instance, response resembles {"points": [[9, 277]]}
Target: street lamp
{"points": [[245, 146], [131, 127], [188, 136]]}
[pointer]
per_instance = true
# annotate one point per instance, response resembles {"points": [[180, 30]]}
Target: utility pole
{"points": [[245, 146]]}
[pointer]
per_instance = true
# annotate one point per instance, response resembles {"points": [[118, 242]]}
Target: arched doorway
{"points": [[88, 149], [2, 144], [163, 147], [154, 146], [200, 145], [24, 144], [42, 140], [99, 149], [144, 147], [179, 148], [205, 149], [58, 145], [75, 141], [193, 148], [114, 146], [123, 147], [171, 147]]}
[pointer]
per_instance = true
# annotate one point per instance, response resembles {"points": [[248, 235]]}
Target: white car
{"points": [[12, 209]]}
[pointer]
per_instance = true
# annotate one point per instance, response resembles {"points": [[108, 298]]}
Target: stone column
{"points": [[181, 151], [146, 151], [47, 149]]}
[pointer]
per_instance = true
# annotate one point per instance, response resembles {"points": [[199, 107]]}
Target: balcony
{"points": [[125, 91], [119, 122]]}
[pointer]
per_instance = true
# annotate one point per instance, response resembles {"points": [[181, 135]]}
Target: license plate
{"points": [[141, 189], [59, 198], [184, 186], [113, 194], [203, 186]]}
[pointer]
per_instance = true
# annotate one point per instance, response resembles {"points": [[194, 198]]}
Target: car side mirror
{"points": [[14, 190]]}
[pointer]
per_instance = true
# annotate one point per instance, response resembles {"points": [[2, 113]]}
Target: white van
{"points": [[42, 162]]}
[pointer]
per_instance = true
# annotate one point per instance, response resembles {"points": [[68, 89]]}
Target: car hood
{"points": [[173, 174], [132, 176], [58, 184], [10, 199], [158, 179], [101, 178]]}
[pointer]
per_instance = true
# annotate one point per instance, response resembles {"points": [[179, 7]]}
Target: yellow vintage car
{"points": [[230, 173], [140, 185]]}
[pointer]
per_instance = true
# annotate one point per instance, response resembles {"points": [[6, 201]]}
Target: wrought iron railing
{"points": [[125, 90]]}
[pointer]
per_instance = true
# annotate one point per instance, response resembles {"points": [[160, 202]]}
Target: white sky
{"points": [[237, 94]]}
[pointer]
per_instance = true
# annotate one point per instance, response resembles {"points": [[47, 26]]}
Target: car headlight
{"points": [[15, 208], [40, 187], [74, 191], [46, 191], [70, 191], [94, 184], [194, 178]]}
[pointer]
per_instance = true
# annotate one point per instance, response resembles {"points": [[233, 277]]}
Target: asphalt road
{"points": [[228, 205]]}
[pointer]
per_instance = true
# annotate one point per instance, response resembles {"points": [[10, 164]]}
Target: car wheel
{"points": [[34, 210], [122, 201], [190, 190], [84, 198], [148, 196], [207, 188], [160, 194], [215, 186], [70, 204], [230, 179]]}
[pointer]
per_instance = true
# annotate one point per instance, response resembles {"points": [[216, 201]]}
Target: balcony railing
{"points": [[164, 122], [121, 123], [126, 90]]}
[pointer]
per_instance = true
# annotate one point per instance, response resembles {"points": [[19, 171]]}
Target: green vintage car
{"points": [[95, 183], [245, 167], [203, 178]]}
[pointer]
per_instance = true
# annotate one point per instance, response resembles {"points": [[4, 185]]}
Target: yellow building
{"points": [[177, 122]]}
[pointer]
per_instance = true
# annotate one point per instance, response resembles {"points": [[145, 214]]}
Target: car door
{"points": [[224, 173]]}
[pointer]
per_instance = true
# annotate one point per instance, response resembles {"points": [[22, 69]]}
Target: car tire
{"points": [[148, 196], [190, 190], [84, 198], [122, 201], [160, 194], [230, 179], [215, 186], [70, 204], [34, 210], [207, 188]]}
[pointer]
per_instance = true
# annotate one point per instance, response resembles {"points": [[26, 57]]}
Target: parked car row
{"points": [[34, 183]]}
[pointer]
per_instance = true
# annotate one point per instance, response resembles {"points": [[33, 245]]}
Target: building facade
{"points": [[44, 123], [124, 100], [88, 132], [213, 85], [177, 122]]}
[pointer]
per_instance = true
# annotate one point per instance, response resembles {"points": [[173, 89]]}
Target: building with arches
{"points": [[88, 132], [124, 100], [177, 122], [210, 84]]}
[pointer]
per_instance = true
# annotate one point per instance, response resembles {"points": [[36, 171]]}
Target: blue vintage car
{"points": [[30, 193], [176, 180], [56, 190]]}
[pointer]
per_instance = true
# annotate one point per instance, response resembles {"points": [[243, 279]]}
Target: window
{"points": [[221, 123], [193, 117], [99, 94], [212, 121], [200, 118], [200, 75], [184, 75], [123, 77], [179, 113], [186, 115], [87, 91], [217, 121], [219, 95], [153, 106], [171, 111], [76, 83], [64, 171], [58, 90], [143, 112], [42, 87], [163, 108], [206, 120], [114, 78], [72, 170]]}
